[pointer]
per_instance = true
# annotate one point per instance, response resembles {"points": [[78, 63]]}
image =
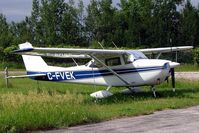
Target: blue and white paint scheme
{"points": [[129, 68]]}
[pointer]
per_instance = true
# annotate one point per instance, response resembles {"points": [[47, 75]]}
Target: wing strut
{"points": [[111, 70]]}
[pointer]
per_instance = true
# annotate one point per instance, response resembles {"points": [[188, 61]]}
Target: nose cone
{"points": [[174, 64]]}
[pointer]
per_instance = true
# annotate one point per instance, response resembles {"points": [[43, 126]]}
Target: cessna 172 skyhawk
{"points": [[128, 68]]}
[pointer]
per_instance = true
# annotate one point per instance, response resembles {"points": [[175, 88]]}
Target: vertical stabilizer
{"points": [[32, 63]]}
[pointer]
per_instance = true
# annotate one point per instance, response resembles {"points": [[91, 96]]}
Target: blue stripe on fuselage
{"points": [[72, 75]]}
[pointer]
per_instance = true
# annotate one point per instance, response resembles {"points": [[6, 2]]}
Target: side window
{"points": [[113, 61]]}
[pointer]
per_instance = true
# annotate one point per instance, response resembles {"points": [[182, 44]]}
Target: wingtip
{"points": [[25, 45]]}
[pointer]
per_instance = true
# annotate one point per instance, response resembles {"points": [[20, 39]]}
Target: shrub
{"points": [[196, 55]]}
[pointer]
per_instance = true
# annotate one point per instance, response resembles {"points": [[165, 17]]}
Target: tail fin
{"points": [[32, 63]]}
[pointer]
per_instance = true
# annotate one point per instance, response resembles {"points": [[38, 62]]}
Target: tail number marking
{"points": [[60, 75]]}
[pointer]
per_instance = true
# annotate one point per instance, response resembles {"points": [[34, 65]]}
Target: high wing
{"points": [[28, 49]]}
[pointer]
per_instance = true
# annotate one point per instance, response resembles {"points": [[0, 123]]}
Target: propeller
{"points": [[173, 78]]}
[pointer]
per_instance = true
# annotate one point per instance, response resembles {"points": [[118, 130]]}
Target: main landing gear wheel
{"points": [[155, 94]]}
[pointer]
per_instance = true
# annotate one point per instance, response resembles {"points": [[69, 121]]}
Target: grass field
{"points": [[187, 68], [25, 106]]}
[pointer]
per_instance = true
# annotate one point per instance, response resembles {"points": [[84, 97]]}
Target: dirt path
{"points": [[167, 121], [187, 75], [12, 73]]}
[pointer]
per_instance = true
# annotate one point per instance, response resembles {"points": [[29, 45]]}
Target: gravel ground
{"points": [[167, 121], [14, 73], [188, 75]]}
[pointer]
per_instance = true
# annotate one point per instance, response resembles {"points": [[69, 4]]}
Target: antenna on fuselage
{"points": [[114, 45], [101, 45]]}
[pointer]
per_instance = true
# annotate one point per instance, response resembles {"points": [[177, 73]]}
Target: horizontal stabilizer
{"points": [[27, 76]]}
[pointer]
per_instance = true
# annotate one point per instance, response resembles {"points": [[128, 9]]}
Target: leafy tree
{"points": [[81, 24], [51, 17], [121, 25], [100, 21], [92, 20], [107, 22], [136, 23], [69, 25], [137, 19], [131, 11], [166, 22], [189, 24], [5, 36], [21, 32], [34, 22]]}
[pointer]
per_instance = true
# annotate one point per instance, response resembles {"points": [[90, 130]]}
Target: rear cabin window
{"points": [[113, 61]]}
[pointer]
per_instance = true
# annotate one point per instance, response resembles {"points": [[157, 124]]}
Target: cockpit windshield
{"points": [[133, 55], [138, 55]]}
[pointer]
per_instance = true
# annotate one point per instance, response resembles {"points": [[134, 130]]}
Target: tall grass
{"points": [[29, 106], [187, 67], [11, 65]]}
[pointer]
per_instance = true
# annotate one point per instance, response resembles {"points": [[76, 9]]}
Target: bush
{"points": [[9, 56], [196, 55]]}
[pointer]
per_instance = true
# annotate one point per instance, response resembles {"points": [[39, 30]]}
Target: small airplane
{"points": [[111, 68]]}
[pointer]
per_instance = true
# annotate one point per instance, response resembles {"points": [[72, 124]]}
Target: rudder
{"points": [[32, 63]]}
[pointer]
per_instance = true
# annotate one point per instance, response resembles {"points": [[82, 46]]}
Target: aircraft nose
{"points": [[174, 64]]}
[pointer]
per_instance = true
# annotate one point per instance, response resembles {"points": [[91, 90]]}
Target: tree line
{"points": [[130, 23]]}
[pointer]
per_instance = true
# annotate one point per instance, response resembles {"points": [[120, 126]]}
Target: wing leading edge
{"points": [[27, 49]]}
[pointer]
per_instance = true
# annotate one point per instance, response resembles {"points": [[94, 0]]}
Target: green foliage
{"points": [[187, 68], [95, 44], [196, 55], [10, 49], [189, 28], [5, 35], [7, 56], [132, 23], [12, 65]]}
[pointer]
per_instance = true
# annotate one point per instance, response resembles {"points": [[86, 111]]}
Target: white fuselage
{"points": [[138, 73], [107, 67]]}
